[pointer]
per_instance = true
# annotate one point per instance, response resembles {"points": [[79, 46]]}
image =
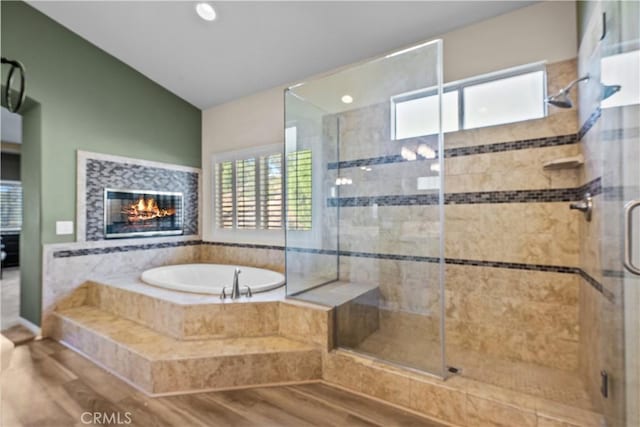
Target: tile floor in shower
{"points": [[540, 381], [412, 340]]}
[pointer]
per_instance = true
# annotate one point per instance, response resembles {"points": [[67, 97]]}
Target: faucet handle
{"points": [[585, 206], [249, 294], [223, 295]]}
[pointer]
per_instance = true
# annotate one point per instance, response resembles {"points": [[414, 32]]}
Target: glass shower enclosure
{"points": [[364, 204], [619, 232]]}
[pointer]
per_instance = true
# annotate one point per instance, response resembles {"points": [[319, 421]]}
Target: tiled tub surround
{"points": [[99, 171], [261, 256], [66, 266], [166, 342]]}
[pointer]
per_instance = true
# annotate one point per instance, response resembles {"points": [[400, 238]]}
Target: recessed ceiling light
{"points": [[347, 99], [206, 11]]}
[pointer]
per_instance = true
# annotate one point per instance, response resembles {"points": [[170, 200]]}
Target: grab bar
{"points": [[628, 237]]}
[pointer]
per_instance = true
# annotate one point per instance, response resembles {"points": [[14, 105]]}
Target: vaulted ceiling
{"points": [[253, 46]]}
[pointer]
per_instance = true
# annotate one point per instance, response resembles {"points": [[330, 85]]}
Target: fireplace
{"points": [[142, 213]]}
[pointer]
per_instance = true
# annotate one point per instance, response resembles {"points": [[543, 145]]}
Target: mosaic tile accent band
{"points": [[396, 257], [101, 174], [465, 151], [620, 134], [614, 273], [619, 193], [588, 124], [512, 196], [593, 187], [245, 245], [124, 248], [596, 285]]}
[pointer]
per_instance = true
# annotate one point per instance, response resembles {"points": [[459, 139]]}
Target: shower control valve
{"points": [[585, 206]]}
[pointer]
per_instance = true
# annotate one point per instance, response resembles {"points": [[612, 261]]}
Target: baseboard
{"points": [[35, 329]]}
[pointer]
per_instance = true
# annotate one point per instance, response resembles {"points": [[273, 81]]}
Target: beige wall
{"points": [[544, 31], [247, 122]]}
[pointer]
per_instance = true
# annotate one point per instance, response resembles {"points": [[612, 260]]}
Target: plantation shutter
{"points": [[246, 194], [271, 192], [299, 206], [249, 193], [224, 196]]}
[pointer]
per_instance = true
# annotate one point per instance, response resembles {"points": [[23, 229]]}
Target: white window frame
{"points": [[460, 85], [255, 236]]}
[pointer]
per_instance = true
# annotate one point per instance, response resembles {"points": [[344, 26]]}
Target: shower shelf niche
{"points": [[565, 163]]}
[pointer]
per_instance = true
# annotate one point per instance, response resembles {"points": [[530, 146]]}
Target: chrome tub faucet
{"points": [[235, 287]]}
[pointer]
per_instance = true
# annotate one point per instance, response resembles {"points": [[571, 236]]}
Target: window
{"points": [[10, 205], [271, 191], [249, 190], [419, 115], [621, 69], [507, 100], [499, 98], [224, 194], [299, 183], [247, 194]]}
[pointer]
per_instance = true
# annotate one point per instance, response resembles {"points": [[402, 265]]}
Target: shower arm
{"points": [[570, 86]]}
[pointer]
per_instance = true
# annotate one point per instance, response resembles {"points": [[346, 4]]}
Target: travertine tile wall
{"points": [[67, 266], [270, 257], [541, 306]]}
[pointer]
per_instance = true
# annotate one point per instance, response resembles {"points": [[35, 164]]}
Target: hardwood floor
{"points": [[9, 297], [48, 385]]}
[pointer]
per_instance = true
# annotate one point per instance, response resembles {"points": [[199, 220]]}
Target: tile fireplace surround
{"points": [[99, 171]]}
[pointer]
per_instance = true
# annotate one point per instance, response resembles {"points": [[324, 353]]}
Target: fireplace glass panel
{"points": [[142, 213]]}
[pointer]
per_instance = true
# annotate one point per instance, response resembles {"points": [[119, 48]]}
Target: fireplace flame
{"points": [[146, 210]]}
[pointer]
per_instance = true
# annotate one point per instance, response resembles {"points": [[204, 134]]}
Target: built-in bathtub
{"points": [[211, 278]]}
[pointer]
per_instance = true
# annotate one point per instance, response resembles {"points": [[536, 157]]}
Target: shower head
{"points": [[561, 99]]}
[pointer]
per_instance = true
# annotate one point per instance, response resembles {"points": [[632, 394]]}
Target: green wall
{"points": [[86, 100], [31, 235]]}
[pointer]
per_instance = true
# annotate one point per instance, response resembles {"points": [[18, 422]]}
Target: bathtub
{"points": [[211, 278]]}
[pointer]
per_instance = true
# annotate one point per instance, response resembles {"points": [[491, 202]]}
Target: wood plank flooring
{"points": [[48, 385], [9, 297]]}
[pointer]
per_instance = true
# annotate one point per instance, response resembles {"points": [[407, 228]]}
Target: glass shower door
{"points": [[620, 233], [374, 246]]}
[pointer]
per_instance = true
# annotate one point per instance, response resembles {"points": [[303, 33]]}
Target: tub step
{"points": [[158, 364]]}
